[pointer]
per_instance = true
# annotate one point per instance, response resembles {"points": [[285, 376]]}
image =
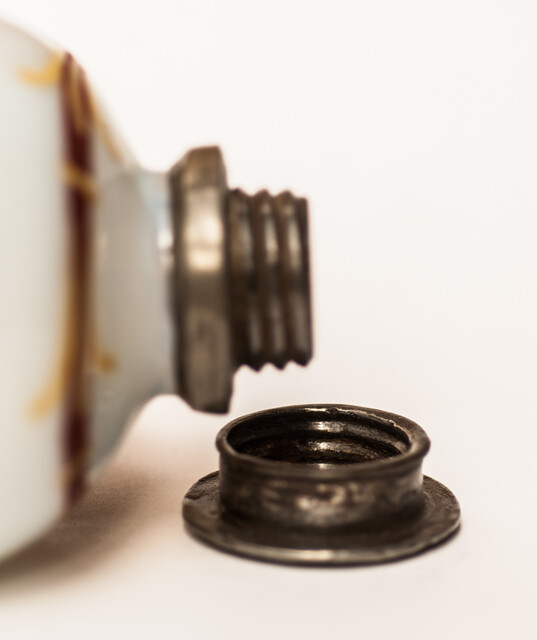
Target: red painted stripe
{"points": [[77, 153]]}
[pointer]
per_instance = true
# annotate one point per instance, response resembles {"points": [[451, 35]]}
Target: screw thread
{"points": [[269, 278]]}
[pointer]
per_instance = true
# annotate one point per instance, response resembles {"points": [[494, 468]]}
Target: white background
{"points": [[412, 128]]}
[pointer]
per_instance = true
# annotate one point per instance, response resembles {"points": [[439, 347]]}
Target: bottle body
{"points": [[85, 324], [118, 284]]}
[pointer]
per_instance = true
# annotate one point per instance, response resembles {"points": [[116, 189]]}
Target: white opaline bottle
{"points": [[118, 284]]}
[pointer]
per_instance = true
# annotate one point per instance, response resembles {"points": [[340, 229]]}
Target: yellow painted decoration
{"points": [[54, 390], [48, 75], [104, 362], [80, 180]]}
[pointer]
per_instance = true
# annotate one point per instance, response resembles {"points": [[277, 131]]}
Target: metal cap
{"points": [[321, 485]]}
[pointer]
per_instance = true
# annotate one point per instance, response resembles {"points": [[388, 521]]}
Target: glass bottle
{"points": [[119, 284]]}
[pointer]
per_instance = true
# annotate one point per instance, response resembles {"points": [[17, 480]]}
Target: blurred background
{"points": [[412, 129]]}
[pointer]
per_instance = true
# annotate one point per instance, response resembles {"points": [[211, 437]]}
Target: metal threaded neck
{"points": [[269, 278], [240, 280]]}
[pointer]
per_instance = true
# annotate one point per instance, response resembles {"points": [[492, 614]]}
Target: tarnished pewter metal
{"points": [[241, 278], [321, 485]]}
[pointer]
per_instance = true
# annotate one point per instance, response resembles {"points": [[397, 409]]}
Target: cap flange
{"points": [[321, 485]]}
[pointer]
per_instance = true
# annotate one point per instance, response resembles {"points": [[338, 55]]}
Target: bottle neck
{"points": [[156, 193], [240, 280]]}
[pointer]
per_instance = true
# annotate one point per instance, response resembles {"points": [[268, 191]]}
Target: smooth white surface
{"points": [[412, 129], [32, 281], [129, 308], [132, 306]]}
